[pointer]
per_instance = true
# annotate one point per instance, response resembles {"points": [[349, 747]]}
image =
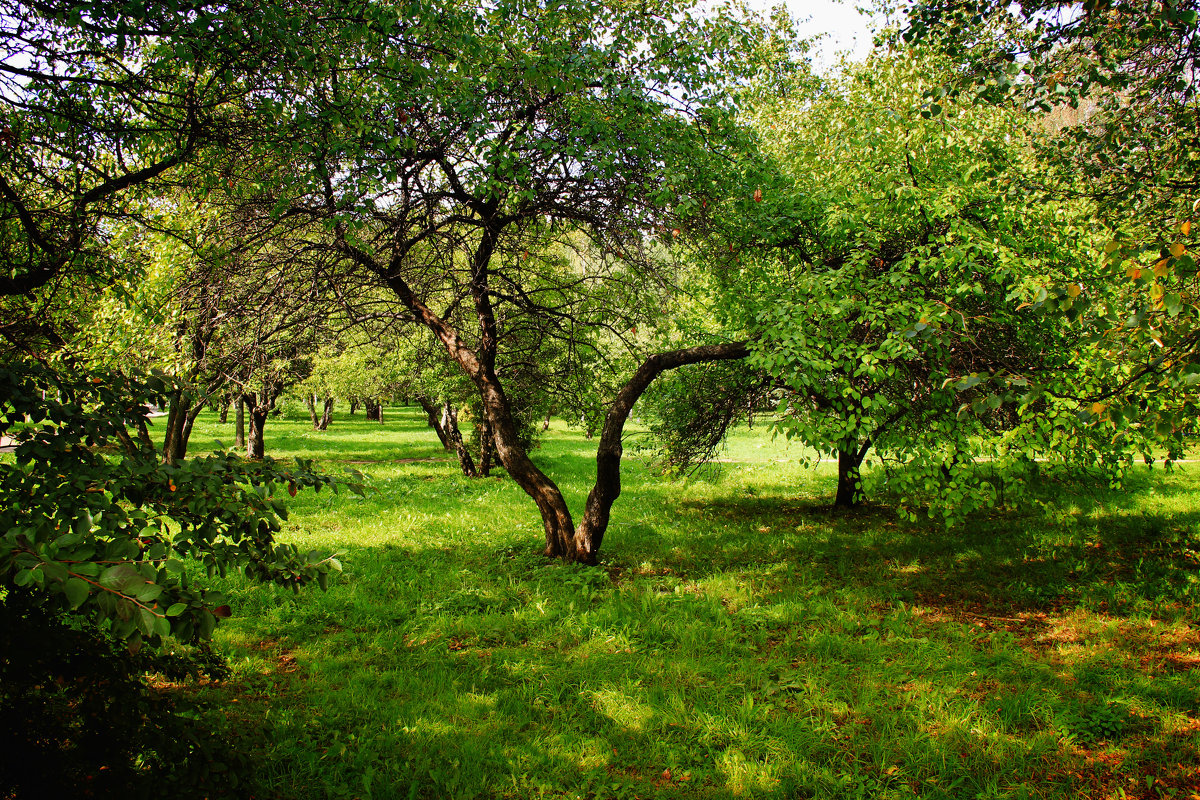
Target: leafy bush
{"points": [[95, 533], [97, 527]]}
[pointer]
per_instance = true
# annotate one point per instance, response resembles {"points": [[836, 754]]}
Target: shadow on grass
{"points": [[488, 672]]}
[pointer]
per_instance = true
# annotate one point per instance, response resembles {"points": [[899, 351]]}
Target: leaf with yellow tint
{"points": [[1160, 269], [1098, 409], [1074, 289], [1186, 228], [1178, 249]]}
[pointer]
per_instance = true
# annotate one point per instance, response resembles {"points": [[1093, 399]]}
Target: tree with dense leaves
{"points": [[101, 105], [880, 262], [1117, 79]]}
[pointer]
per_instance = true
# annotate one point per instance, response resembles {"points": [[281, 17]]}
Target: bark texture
{"points": [[433, 417], [259, 405], [320, 421], [453, 435]]}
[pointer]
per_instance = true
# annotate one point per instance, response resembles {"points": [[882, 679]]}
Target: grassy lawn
{"points": [[738, 640]]}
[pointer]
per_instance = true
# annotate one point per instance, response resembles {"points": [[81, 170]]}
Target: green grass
{"points": [[738, 640]]}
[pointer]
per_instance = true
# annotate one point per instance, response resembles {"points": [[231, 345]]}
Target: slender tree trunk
{"points": [[353, 405], [310, 400], [143, 435], [433, 419], [239, 430], [224, 410], [849, 488], [327, 414], [454, 436], [487, 449]]}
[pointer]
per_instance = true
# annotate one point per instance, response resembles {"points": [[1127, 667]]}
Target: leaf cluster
{"points": [[97, 526]]}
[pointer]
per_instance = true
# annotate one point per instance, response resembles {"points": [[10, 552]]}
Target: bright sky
{"points": [[844, 28]]}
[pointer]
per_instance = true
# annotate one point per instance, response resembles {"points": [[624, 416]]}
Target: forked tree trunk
{"points": [[374, 410], [326, 414], [174, 444], [310, 400], [562, 538], [353, 405], [188, 424], [181, 417]]}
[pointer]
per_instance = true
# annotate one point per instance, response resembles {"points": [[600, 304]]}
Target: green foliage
{"points": [[691, 410], [104, 532], [886, 258], [1115, 80]]}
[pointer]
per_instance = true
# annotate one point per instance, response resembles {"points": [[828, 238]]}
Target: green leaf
{"points": [[77, 591]]}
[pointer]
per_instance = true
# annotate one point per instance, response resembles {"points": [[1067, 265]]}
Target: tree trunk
{"points": [[174, 443], [310, 400], [353, 406], [143, 435], [239, 431], [327, 414], [187, 427], [562, 540], [433, 419], [259, 405], [454, 436], [487, 449], [374, 410], [556, 517], [590, 534], [849, 488], [224, 418], [255, 443]]}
